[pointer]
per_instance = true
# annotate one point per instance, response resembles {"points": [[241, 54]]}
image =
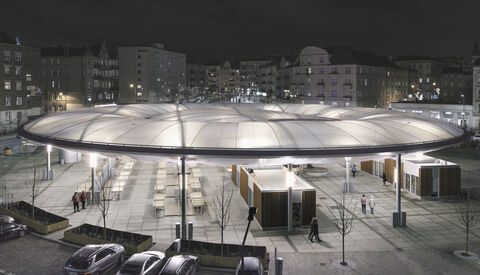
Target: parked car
{"points": [[12, 230], [95, 259], [6, 219], [145, 263], [180, 265], [476, 137], [252, 266]]}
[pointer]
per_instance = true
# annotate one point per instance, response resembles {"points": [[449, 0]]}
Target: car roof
{"points": [[251, 263], [87, 251], [175, 262], [138, 259]]}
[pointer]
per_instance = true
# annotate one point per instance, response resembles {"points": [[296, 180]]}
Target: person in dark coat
{"points": [[310, 236], [384, 177], [75, 201], [354, 170], [83, 199], [315, 231]]}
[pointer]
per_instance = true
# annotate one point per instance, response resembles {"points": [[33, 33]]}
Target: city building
{"points": [[342, 76], [151, 74], [249, 72], [458, 114], [20, 93], [456, 86], [197, 80], [476, 86], [78, 77], [273, 79], [425, 82], [225, 81]]}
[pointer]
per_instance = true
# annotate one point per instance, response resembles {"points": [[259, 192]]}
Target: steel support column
{"points": [[398, 193], [184, 219], [289, 184]]}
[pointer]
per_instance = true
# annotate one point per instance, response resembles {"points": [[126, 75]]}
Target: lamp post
{"points": [[93, 164], [132, 86], [289, 177], [464, 124], [49, 150], [251, 213]]}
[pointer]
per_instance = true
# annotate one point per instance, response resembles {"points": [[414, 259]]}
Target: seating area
{"points": [[117, 184], [167, 190]]}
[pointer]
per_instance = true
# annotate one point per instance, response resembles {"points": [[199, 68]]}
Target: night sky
{"points": [[213, 30]]}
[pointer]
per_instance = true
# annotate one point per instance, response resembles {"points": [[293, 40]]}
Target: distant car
{"points": [[252, 266], [476, 137], [95, 259], [180, 265], [145, 263], [12, 230], [6, 219]]}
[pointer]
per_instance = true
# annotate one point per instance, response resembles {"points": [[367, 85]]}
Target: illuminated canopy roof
{"points": [[241, 132]]}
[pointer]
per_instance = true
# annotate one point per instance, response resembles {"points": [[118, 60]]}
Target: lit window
{"points": [[365, 82], [18, 70], [7, 85], [309, 70], [28, 77], [18, 56], [428, 80], [139, 94], [347, 104], [19, 100], [420, 80], [7, 70], [18, 85], [6, 55], [8, 115], [334, 104], [8, 101], [321, 103]]}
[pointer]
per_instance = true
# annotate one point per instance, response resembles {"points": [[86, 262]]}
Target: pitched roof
{"points": [[348, 55]]}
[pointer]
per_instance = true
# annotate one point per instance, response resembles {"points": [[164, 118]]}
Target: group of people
{"points": [[371, 203], [76, 199], [314, 230]]}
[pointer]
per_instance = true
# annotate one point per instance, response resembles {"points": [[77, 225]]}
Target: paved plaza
{"points": [[432, 225]]}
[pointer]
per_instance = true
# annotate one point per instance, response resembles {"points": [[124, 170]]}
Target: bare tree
{"points": [[221, 207], [343, 218], [468, 212], [32, 184], [104, 203]]}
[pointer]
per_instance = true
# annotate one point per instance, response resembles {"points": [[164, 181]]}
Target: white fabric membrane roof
{"points": [[242, 133]]}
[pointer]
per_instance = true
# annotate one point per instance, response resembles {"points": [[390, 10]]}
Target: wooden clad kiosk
{"points": [[266, 189]]}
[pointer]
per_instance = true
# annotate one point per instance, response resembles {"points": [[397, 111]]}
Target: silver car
{"points": [[95, 259], [6, 219], [180, 265], [145, 263]]}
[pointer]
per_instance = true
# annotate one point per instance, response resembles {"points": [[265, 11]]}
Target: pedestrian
{"points": [[83, 199], [315, 230], [384, 177], [310, 236], [354, 170], [371, 203], [364, 204], [75, 202]]}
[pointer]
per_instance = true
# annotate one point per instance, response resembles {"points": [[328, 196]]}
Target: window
{"points": [[428, 79], [18, 70], [348, 70], [7, 85], [19, 100], [89, 98], [335, 104], [18, 56], [348, 81], [8, 101], [7, 70], [321, 60], [8, 115], [334, 93], [321, 70], [18, 85], [333, 70], [347, 104], [365, 82], [309, 70], [334, 82], [28, 77], [6, 55], [420, 80]]}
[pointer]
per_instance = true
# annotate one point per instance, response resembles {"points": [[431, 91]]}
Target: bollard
{"points": [[177, 245], [190, 230], [177, 230], [278, 266]]}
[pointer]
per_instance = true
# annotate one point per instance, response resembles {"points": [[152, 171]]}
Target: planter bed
{"points": [[91, 234], [45, 222], [209, 254]]}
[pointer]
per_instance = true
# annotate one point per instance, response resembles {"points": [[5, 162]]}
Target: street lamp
{"points": [[49, 150], [464, 124], [93, 164]]}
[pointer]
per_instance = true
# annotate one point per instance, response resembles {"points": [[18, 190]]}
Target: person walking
{"points": [[315, 230], [384, 178], [364, 204], [310, 236], [354, 170], [83, 199], [75, 200], [371, 203]]}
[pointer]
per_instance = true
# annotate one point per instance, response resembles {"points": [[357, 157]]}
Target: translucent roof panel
{"points": [[244, 130]]}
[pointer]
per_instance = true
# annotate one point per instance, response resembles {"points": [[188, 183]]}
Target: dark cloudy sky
{"points": [[211, 30]]}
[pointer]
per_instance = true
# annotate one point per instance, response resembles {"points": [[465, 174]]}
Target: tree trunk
{"points": [[33, 209], [221, 246], [466, 245], [343, 250], [104, 229]]}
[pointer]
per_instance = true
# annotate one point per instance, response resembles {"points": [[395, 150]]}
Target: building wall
{"points": [[157, 75], [476, 97], [197, 79], [19, 85]]}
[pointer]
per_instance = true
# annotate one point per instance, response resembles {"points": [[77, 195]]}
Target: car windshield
{"points": [[131, 269], [78, 264]]}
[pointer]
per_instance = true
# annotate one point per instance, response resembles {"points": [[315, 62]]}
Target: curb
{"points": [[55, 240]]}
